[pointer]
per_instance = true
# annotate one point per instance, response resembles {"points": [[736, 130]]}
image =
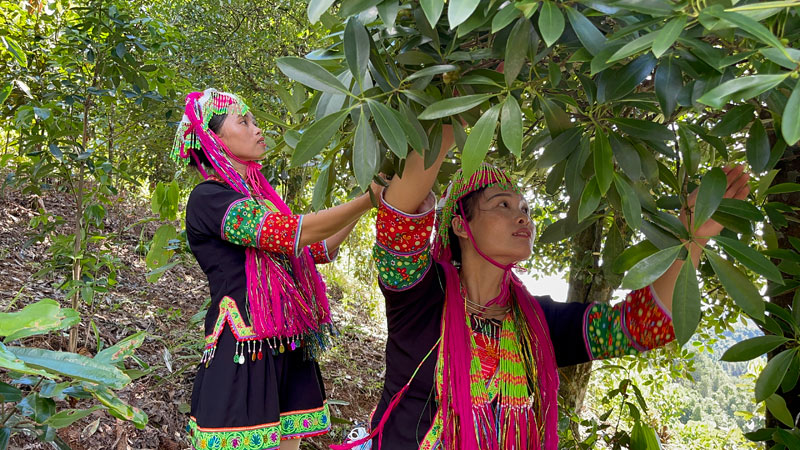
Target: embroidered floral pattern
{"points": [[306, 423], [249, 223], [319, 251], [229, 312], [259, 437], [635, 325], [402, 246]]}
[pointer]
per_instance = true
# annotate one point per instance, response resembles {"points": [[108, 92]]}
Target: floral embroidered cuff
{"points": [[636, 325], [251, 224], [319, 251], [402, 246]]}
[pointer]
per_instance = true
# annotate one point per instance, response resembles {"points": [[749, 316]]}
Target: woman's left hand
{"points": [[737, 188]]}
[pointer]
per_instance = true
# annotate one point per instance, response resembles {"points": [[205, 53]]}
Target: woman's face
{"points": [[242, 137], [501, 226]]}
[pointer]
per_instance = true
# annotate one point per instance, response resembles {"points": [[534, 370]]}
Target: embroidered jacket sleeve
{"points": [[402, 246], [583, 332], [219, 211], [320, 253]]}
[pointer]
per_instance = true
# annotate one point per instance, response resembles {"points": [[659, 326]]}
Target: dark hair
{"points": [[215, 125], [470, 202]]}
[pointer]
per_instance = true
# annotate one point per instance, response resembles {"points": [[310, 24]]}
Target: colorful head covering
{"points": [[282, 303], [470, 422]]}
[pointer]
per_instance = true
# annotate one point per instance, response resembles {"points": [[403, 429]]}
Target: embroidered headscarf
{"points": [[470, 423], [282, 303]]}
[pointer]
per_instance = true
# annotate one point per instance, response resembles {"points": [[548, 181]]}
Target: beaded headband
{"points": [[486, 176]]}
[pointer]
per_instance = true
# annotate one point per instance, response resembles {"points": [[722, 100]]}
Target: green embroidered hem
{"points": [[293, 425]]}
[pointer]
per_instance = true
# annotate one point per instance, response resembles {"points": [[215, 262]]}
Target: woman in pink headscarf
{"points": [[259, 386]]}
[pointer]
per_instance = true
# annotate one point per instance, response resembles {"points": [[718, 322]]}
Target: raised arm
{"points": [[327, 223], [406, 193]]}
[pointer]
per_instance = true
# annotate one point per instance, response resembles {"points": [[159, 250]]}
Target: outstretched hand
{"points": [[737, 188]]}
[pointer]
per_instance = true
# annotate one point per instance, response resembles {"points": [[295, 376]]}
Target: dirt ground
{"points": [[169, 355]]}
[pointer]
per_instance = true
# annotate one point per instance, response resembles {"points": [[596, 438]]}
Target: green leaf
{"points": [[603, 162], [310, 74], [390, 128], [320, 192], [627, 78], [356, 48], [772, 375], [5, 92], [16, 51], [738, 286], [479, 140], [116, 407], [365, 152], [560, 148], [433, 10], [516, 49], [646, 271], [417, 136], [777, 406], [160, 251], [452, 106], [709, 195], [742, 88], [352, 7], [667, 36], [590, 199], [316, 137], [627, 157], [551, 22], [754, 28], [631, 208], [121, 350], [459, 11], [783, 188], [388, 10], [734, 120], [790, 126], [504, 17], [9, 393], [644, 129], [38, 318], [740, 208], [757, 147], [633, 47], [753, 348], [644, 437], [686, 303], [649, 7], [690, 151], [591, 38], [556, 118], [632, 255], [67, 417], [72, 365], [5, 436], [668, 84], [511, 125], [432, 70], [316, 8], [750, 258]]}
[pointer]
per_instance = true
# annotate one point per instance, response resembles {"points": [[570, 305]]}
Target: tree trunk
{"points": [[789, 167]]}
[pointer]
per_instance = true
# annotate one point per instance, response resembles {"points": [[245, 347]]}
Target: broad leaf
{"points": [[631, 207], [459, 11], [667, 36], [646, 271], [38, 318], [67, 417], [633, 255], [750, 258], [790, 126], [668, 84], [433, 10], [560, 148], [452, 106], [709, 196], [516, 49], [742, 88], [772, 375], [504, 17], [365, 152], [390, 128], [738, 286], [316, 137], [644, 129], [685, 303], [432, 70], [310, 74], [316, 8], [122, 349], [72, 365], [591, 38], [753, 348], [777, 406], [511, 125], [590, 199], [603, 162], [757, 147], [479, 140], [734, 120], [356, 48], [551, 22]]}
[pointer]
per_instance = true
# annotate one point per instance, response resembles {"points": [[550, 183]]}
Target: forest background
{"points": [[609, 112]]}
